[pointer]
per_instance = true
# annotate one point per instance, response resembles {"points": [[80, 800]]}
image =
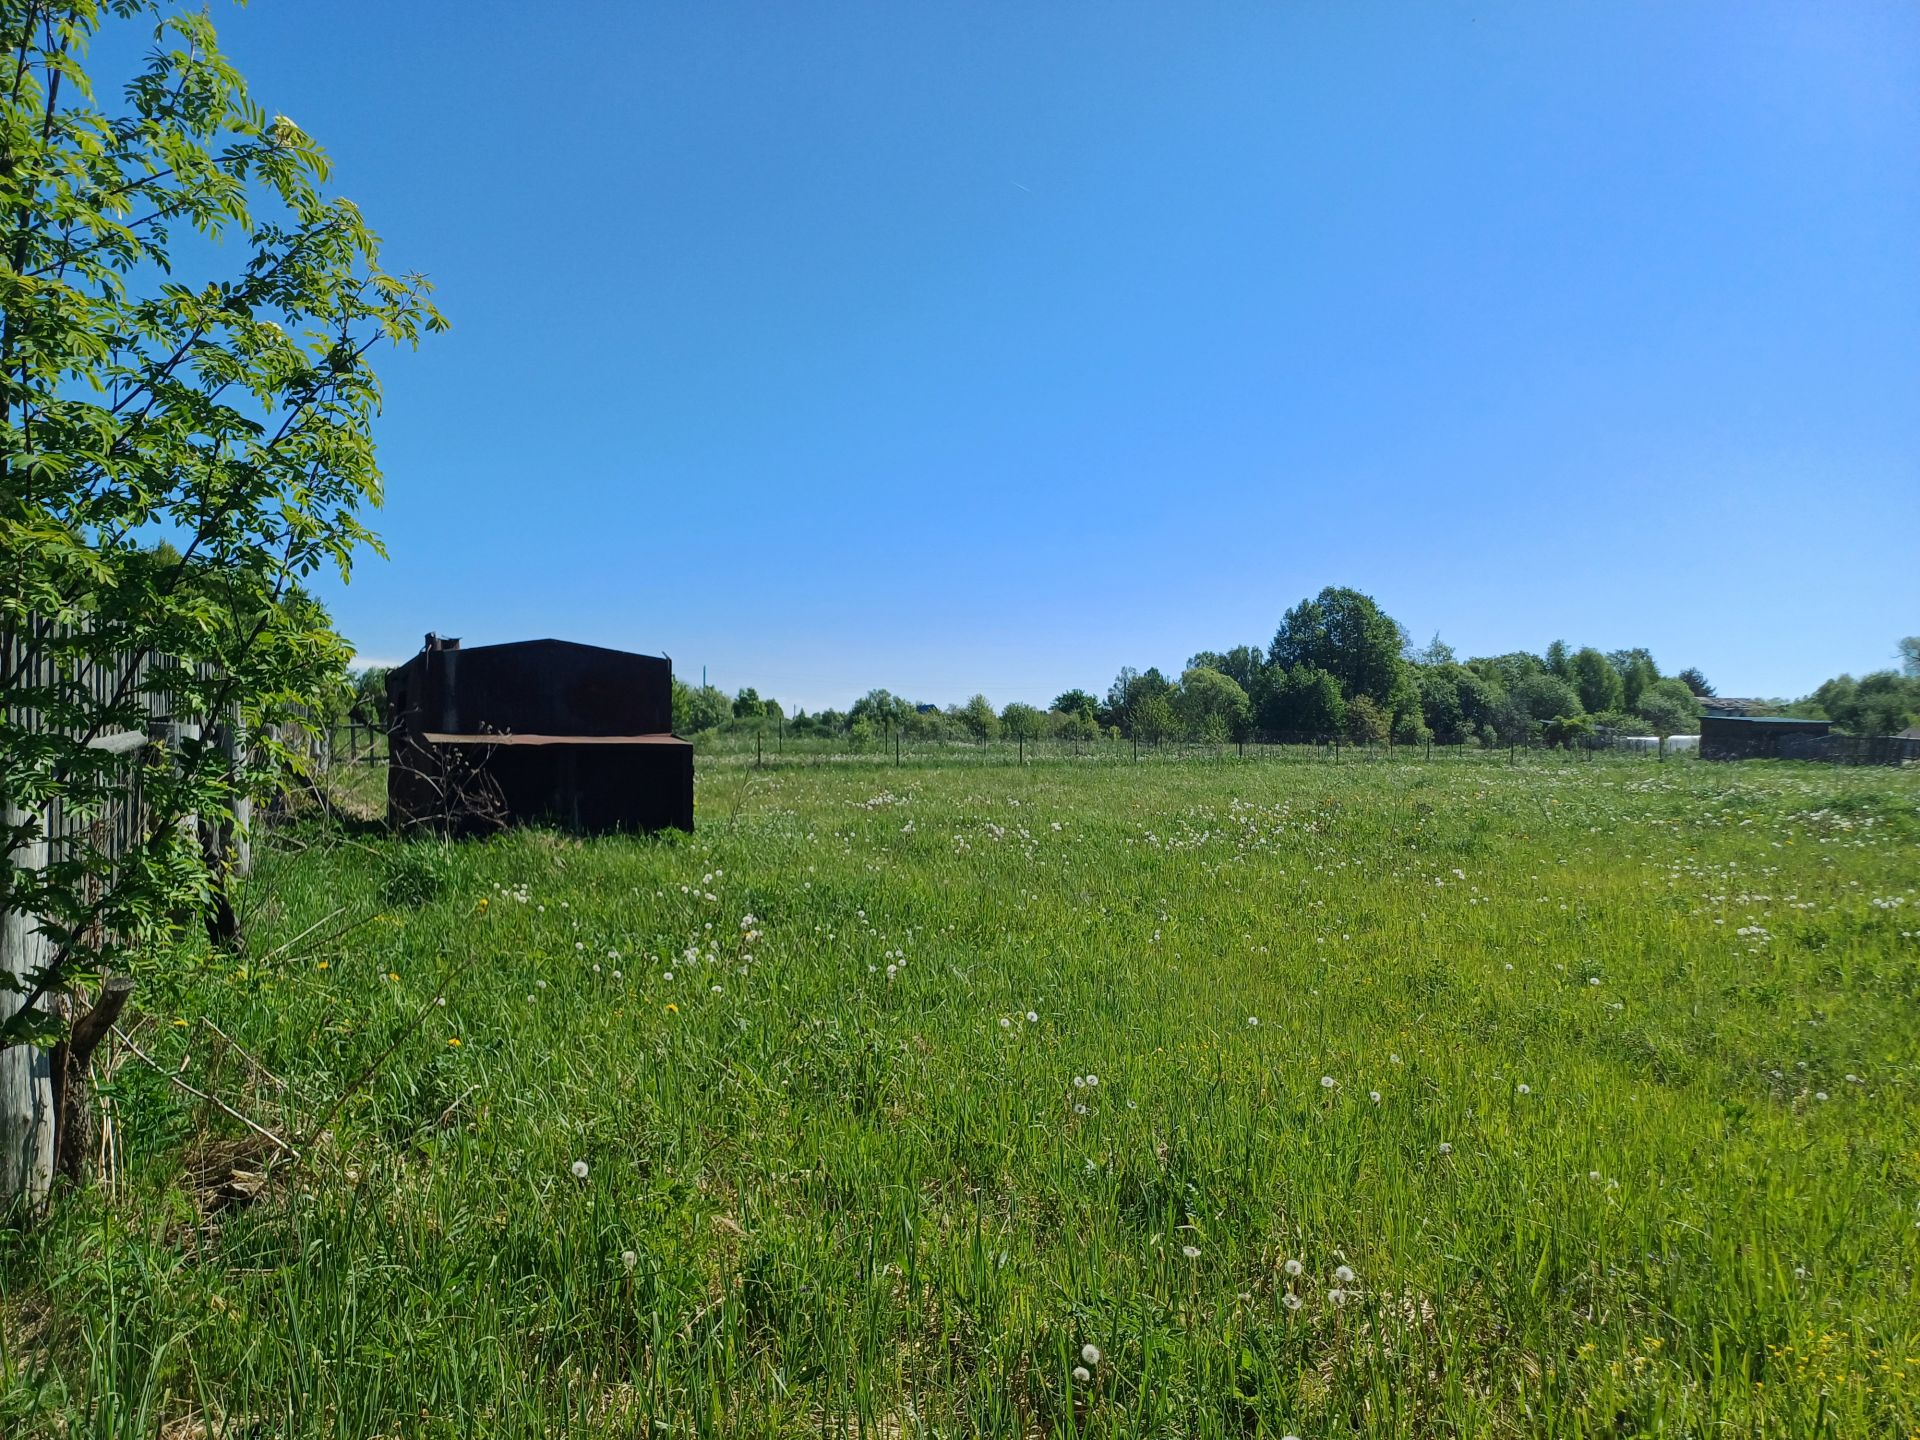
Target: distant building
{"points": [[1756, 737], [542, 730], [1735, 706]]}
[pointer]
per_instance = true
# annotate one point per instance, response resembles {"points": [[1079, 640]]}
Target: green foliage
{"points": [[695, 709], [1559, 660], [1345, 634], [1669, 708], [1567, 730], [1305, 701], [1211, 707], [1695, 681], [1596, 682], [142, 392], [1076, 702], [1883, 703], [748, 705], [1368, 723], [1022, 722], [976, 717]]}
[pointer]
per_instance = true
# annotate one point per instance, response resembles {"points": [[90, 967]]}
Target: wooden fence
{"points": [[45, 672]]}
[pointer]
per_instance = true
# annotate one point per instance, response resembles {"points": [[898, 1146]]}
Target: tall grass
{"points": [[895, 1090]]}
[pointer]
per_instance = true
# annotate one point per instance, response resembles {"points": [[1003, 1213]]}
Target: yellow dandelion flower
{"points": [[672, 1009], [454, 1040]]}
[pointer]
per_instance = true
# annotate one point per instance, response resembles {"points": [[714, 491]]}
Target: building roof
{"points": [[1767, 719]]}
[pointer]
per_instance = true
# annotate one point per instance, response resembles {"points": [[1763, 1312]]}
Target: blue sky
{"points": [[992, 347]]}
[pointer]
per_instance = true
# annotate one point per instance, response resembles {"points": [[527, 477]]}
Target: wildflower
{"points": [[1079, 1082], [1192, 1252], [1445, 1148], [1327, 1082], [1337, 1297], [1593, 1174], [1253, 1021], [1524, 1089], [1080, 1375], [1374, 1096], [1006, 1024], [1079, 1109], [1819, 1094], [672, 1009], [1092, 1080], [1033, 1017], [1090, 1354], [1344, 1275], [579, 1168], [454, 1041], [1293, 1267], [666, 975], [1291, 1301], [629, 1259], [716, 989]]}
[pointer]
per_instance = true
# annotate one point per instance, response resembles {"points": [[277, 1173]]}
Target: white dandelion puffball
{"points": [[1327, 1082], [1374, 1096], [1338, 1297], [1525, 1089], [1291, 1301], [1033, 1017], [629, 1259], [1079, 1082], [1344, 1275], [1254, 1021], [1445, 1148], [666, 975], [1293, 1267], [1005, 1024], [1080, 1374], [1192, 1252], [579, 1168], [1090, 1354], [1092, 1080]]}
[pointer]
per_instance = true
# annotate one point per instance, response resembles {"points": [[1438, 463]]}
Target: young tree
{"points": [[976, 717], [1022, 723], [232, 411], [1695, 681], [1368, 723], [1076, 702]]}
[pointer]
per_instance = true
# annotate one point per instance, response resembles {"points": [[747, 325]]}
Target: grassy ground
{"points": [[1386, 1099]]}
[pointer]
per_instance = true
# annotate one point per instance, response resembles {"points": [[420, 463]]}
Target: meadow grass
{"points": [[966, 1100]]}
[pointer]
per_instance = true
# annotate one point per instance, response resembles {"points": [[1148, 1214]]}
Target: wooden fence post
{"points": [[26, 1071]]}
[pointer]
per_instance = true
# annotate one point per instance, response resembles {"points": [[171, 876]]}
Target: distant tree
{"points": [[881, 708], [1567, 730], [1542, 697], [976, 717], [1305, 701], [1368, 722], [1076, 702], [1637, 676], [1212, 707], [861, 733], [1153, 717], [748, 705], [1668, 713], [1245, 665], [697, 709], [1438, 652], [1022, 722], [1694, 681], [1076, 725], [1507, 671], [1558, 662], [1595, 680], [1909, 650], [1130, 690], [1440, 702], [1345, 634]]}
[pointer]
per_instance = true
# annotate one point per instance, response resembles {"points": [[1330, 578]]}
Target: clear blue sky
{"points": [[994, 346]]}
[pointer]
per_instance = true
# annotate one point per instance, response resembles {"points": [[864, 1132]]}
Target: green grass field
{"points": [[1169, 1099]]}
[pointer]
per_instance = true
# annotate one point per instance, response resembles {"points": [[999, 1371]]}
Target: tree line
{"points": [[1338, 667]]}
